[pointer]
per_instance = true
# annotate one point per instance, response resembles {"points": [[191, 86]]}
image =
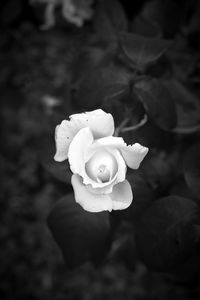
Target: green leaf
{"points": [[191, 166], [101, 84], [165, 236], [81, 235], [157, 102], [143, 50]]}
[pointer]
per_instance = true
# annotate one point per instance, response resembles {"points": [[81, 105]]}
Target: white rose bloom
{"points": [[98, 160]]}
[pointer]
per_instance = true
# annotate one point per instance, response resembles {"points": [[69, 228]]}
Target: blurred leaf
{"points": [[103, 26], [109, 19], [87, 60], [145, 27], [123, 247], [191, 165], [168, 14], [180, 188], [143, 50], [152, 136], [187, 107], [157, 102], [101, 84], [153, 11], [116, 14], [159, 169], [142, 198], [81, 235], [188, 272], [182, 62], [165, 237], [58, 170]]}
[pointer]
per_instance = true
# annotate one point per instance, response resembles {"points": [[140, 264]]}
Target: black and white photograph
{"points": [[100, 150]]}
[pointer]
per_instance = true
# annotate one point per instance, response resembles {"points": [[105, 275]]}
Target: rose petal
{"points": [[112, 144], [100, 122], [79, 153], [64, 134], [134, 155], [90, 202], [110, 141], [102, 190], [121, 172], [121, 195], [119, 199], [119, 177], [101, 157]]}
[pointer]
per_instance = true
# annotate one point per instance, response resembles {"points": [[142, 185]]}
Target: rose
{"points": [[98, 160]]}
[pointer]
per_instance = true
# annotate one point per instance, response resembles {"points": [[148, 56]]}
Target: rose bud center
{"points": [[103, 174], [102, 166]]}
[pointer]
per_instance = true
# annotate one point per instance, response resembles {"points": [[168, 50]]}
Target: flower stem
{"points": [[122, 128], [134, 127]]}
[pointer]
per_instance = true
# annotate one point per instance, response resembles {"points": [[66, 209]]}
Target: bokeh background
{"points": [[53, 65]]}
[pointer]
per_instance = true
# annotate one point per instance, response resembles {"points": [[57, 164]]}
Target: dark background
{"points": [[46, 75]]}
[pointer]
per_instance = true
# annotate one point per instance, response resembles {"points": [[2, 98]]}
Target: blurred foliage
{"points": [[139, 61]]}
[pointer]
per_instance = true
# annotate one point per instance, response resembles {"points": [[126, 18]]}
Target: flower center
{"points": [[102, 166], [103, 174]]}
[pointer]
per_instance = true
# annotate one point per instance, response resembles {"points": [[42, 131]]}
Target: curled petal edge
{"points": [[119, 199], [132, 154], [100, 123], [64, 134]]}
